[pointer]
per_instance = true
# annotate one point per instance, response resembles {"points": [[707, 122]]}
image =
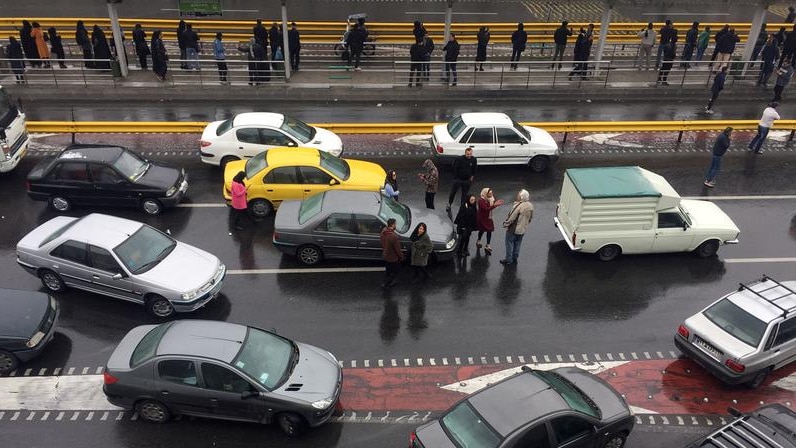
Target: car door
{"points": [[272, 138], [71, 179], [178, 387], [110, 188], [313, 180], [279, 184], [224, 391], [482, 140], [572, 431], [337, 236], [537, 436], [109, 277], [783, 348], [671, 233], [512, 148], [248, 142], [70, 260], [369, 227]]}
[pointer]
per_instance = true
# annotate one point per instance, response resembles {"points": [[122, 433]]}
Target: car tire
{"points": [[609, 252], [309, 255], [615, 441], [339, 49], [152, 411], [225, 160], [260, 208], [8, 362], [759, 378], [151, 206], [60, 203], [159, 307], [539, 164], [290, 424], [51, 280], [707, 249]]}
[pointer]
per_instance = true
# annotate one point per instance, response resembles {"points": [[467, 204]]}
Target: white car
{"points": [[248, 134], [496, 139]]}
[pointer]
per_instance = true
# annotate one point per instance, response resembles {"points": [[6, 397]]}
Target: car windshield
{"points": [[148, 346], [521, 129], [337, 166], [298, 129], [256, 164], [267, 358], [310, 207], [144, 249], [468, 429], [456, 126], [131, 165], [390, 208], [225, 126], [575, 398], [737, 322]]}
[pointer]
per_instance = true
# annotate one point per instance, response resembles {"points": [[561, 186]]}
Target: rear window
{"points": [[575, 398], [256, 164], [148, 346], [58, 232], [737, 322], [456, 126], [310, 207], [225, 126]]}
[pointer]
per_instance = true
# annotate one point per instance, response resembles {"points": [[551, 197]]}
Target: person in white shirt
{"points": [[766, 122], [647, 36]]}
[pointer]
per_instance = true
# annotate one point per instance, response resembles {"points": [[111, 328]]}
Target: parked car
{"points": [[745, 335], [223, 370], [282, 174], [496, 139], [347, 224], [124, 259], [629, 210], [771, 426], [27, 324], [106, 175], [534, 408], [248, 134]]}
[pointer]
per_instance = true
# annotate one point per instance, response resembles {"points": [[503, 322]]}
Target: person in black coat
{"points": [[82, 39], [769, 55], [275, 36], [56, 46], [451, 50], [356, 42], [260, 33], [29, 44], [666, 65], [181, 28], [428, 48], [466, 222], [419, 30], [159, 57], [102, 52], [464, 168], [141, 48], [578, 68], [416, 62], [480, 51], [519, 39], [261, 68], [716, 38], [560, 37], [294, 44], [14, 52], [788, 47]]}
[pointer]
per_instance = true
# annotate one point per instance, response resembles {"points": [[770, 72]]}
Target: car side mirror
{"points": [[334, 182], [117, 276], [292, 144], [685, 226], [249, 394]]}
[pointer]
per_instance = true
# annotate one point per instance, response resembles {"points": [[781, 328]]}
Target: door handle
{"points": [[363, 243], [270, 191], [55, 266], [213, 402], [501, 146], [307, 191], [240, 147], [95, 277], [164, 392], [320, 240]]}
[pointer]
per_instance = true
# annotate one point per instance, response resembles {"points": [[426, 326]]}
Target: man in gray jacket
{"points": [[517, 223]]}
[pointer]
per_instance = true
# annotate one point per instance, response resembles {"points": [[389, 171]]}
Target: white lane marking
{"points": [[415, 139], [787, 383], [763, 197], [685, 14], [761, 260], [54, 393], [302, 270], [608, 139]]}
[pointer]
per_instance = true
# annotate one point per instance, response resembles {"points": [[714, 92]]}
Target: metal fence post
{"points": [[528, 79], [502, 70], [685, 73], [55, 77], [83, 72]]}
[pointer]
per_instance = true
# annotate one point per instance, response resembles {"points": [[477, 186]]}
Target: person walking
{"points": [[464, 168], [56, 46], [726, 47], [724, 30], [720, 147], [788, 47], [29, 47], [519, 39], [260, 33], [691, 37], [666, 66], [647, 36], [716, 88], [560, 37], [702, 43], [294, 45], [668, 35], [356, 42], [141, 48], [517, 224], [391, 252], [466, 222], [391, 185], [769, 55], [159, 56], [220, 55], [428, 48], [192, 47], [82, 39], [780, 36], [484, 222], [239, 203], [483, 37], [41, 43], [102, 52], [430, 179], [181, 27], [421, 249], [451, 50], [17, 59], [275, 37], [416, 53], [770, 115], [784, 75], [791, 14]]}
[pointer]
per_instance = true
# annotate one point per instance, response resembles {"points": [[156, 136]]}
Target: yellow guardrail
{"points": [[191, 127]]}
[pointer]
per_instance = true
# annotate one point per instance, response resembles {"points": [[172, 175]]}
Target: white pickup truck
{"points": [[629, 210], [14, 138]]}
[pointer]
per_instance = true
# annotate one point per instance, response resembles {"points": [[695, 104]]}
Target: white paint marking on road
{"points": [[381, 363], [444, 361], [75, 416], [608, 139], [50, 393], [759, 197], [30, 416], [367, 363], [46, 416], [70, 371], [393, 362], [57, 371], [119, 416], [302, 271], [60, 416], [27, 372], [42, 371], [85, 371], [105, 416], [432, 362], [761, 260], [99, 370], [15, 416], [90, 416], [787, 383], [354, 364], [685, 13]]}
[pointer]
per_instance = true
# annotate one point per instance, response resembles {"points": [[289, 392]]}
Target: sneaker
{"points": [[488, 250], [478, 244], [709, 184], [506, 262]]}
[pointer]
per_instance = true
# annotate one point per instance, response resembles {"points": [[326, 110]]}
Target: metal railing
{"points": [[51, 72], [238, 72]]}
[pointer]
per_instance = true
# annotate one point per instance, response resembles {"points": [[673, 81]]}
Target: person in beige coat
{"points": [[517, 223]]}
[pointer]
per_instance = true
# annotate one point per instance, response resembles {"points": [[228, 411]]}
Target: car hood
{"points": [[431, 435], [326, 141], [186, 268], [32, 240], [542, 139], [440, 227], [711, 333], [365, 175], [440, 132], [315, 376], [707, 215], [23, 312], [612, 405], [161, 177]]}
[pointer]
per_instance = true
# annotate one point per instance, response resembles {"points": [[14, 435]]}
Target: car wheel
{"points": [[309, 255], [369, 49], [8, 362], [60, 203], [759, 379], [260, 208], [151, 206], [338, 49], [707, 249], [226, 159], [159, 307], [616, 441], [609, 252], [291, 424], [51, 280], [539, 164], [152, 411]]}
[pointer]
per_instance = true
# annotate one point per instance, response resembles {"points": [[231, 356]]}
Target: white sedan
{"points": [[496, 139], [248, 134]]}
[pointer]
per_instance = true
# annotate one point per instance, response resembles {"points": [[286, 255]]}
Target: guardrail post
{"points": [[564, 141], [793, 131], [502, 70], [55, 77], [680, 136]]}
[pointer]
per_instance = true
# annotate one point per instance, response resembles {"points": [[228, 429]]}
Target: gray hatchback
{"points": [[222, 370]]}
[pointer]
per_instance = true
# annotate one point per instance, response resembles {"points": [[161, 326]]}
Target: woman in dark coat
{"points": [[29, 44], [82, 39], [483, 41], [181, 28], [421, 249], [102, 52], [261, 65], [14, 51], [466, 222], [141, 48], [159, 57], [56, 47]]}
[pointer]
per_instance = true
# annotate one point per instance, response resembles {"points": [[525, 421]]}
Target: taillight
{"points": [[27, 185], [413, 441], [276, 236], [6, 150], [205, 143], [682, 331], [735, 366], [108, 378], [439, 149]]}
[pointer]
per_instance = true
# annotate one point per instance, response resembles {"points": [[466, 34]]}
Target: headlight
{"points": [[322, 404], [171, 191], [189, 295], [34, 341], [450, 243]]}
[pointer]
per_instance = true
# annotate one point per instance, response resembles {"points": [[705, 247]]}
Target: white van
{"points": [[615, 210], [14, 138]]}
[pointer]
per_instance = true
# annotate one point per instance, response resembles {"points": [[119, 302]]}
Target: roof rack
{"points": [[773, 300]]}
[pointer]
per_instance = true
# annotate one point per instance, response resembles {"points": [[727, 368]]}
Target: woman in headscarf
{"points": [[41, 43], [14, 52], [391, 185], [483, 41], [261, 64], [28, 44], [421, 249], [102, 52], [56, 46], [466, 222], [82, 39], [249, 50], [159, 56], [486, 203]]}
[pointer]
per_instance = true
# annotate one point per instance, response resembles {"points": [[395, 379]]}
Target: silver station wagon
{"points": [[124, 259], [745, 335]]}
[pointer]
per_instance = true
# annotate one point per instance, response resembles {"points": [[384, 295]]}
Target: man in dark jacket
{"points": [[260, 33], [391, 252], [451, 50], [356, 42], [716, 39], [294, 43], [720, 147], [191, 39], [716, 88], [769, 55], [181, 27], [726, 47], [275, 36], [560, 38], [141, 47], [788, 47], [690, 43], [519, 39], [762, 37], [419, 30], [428, 48], [666, 66], [668, 34], [14, 52], [464, 168], [416, 53]]}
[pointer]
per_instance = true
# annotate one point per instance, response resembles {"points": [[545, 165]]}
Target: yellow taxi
{"points": [[281, 174]]}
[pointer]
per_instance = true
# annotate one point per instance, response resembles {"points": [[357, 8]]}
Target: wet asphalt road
{"points": [[553, 302]]}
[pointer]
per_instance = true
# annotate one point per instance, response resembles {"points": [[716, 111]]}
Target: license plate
{"points": [[707, 347]]}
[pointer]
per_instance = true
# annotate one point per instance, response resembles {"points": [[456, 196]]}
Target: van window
{"points": [[670, 221]]}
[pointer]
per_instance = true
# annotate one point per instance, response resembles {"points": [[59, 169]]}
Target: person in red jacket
{"points": [[484, 223], [391, 252]]}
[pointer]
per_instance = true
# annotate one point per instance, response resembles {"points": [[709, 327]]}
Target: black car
{"points": [[27, 324], [106, 175], [534, 408], [772, 426]]}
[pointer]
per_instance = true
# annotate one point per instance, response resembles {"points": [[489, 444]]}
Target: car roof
{"points": [[486, 118], [111, 230], [203, 339], [517, 401], [258, 119], [348, 200], [766, 299], [282, 156], [91, 153]]}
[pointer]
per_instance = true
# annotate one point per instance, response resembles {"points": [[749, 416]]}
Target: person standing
{"points": [[418, 30], [668, 34], [57, 46], [391, 185], [239, 203], [82, 39], [141, 48], [29, 44], [768, 55], [726, 47], [261, 66], [666, 66], [294, 45], [702, 43], [560, 37], [428, 48], [391, 252], [275, 37], [159, 56], [181, 27], [430, 179], [519, 39], [788, 47], [102, 52], [480, 51], [220, 55], [41, 43], [647, 36], [421, 249], [192, 47], [784, 75], [260, 33], [464, 168], [252, 64], [770, 115], [780, 36], [720, 147], [451, 50], [466, 222], [716, 88], [691, 37], [717, 38], [791, 14], [17, 59], [356, 42], [578, 68], [484, 222], [516, 224], [415, 64]]}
